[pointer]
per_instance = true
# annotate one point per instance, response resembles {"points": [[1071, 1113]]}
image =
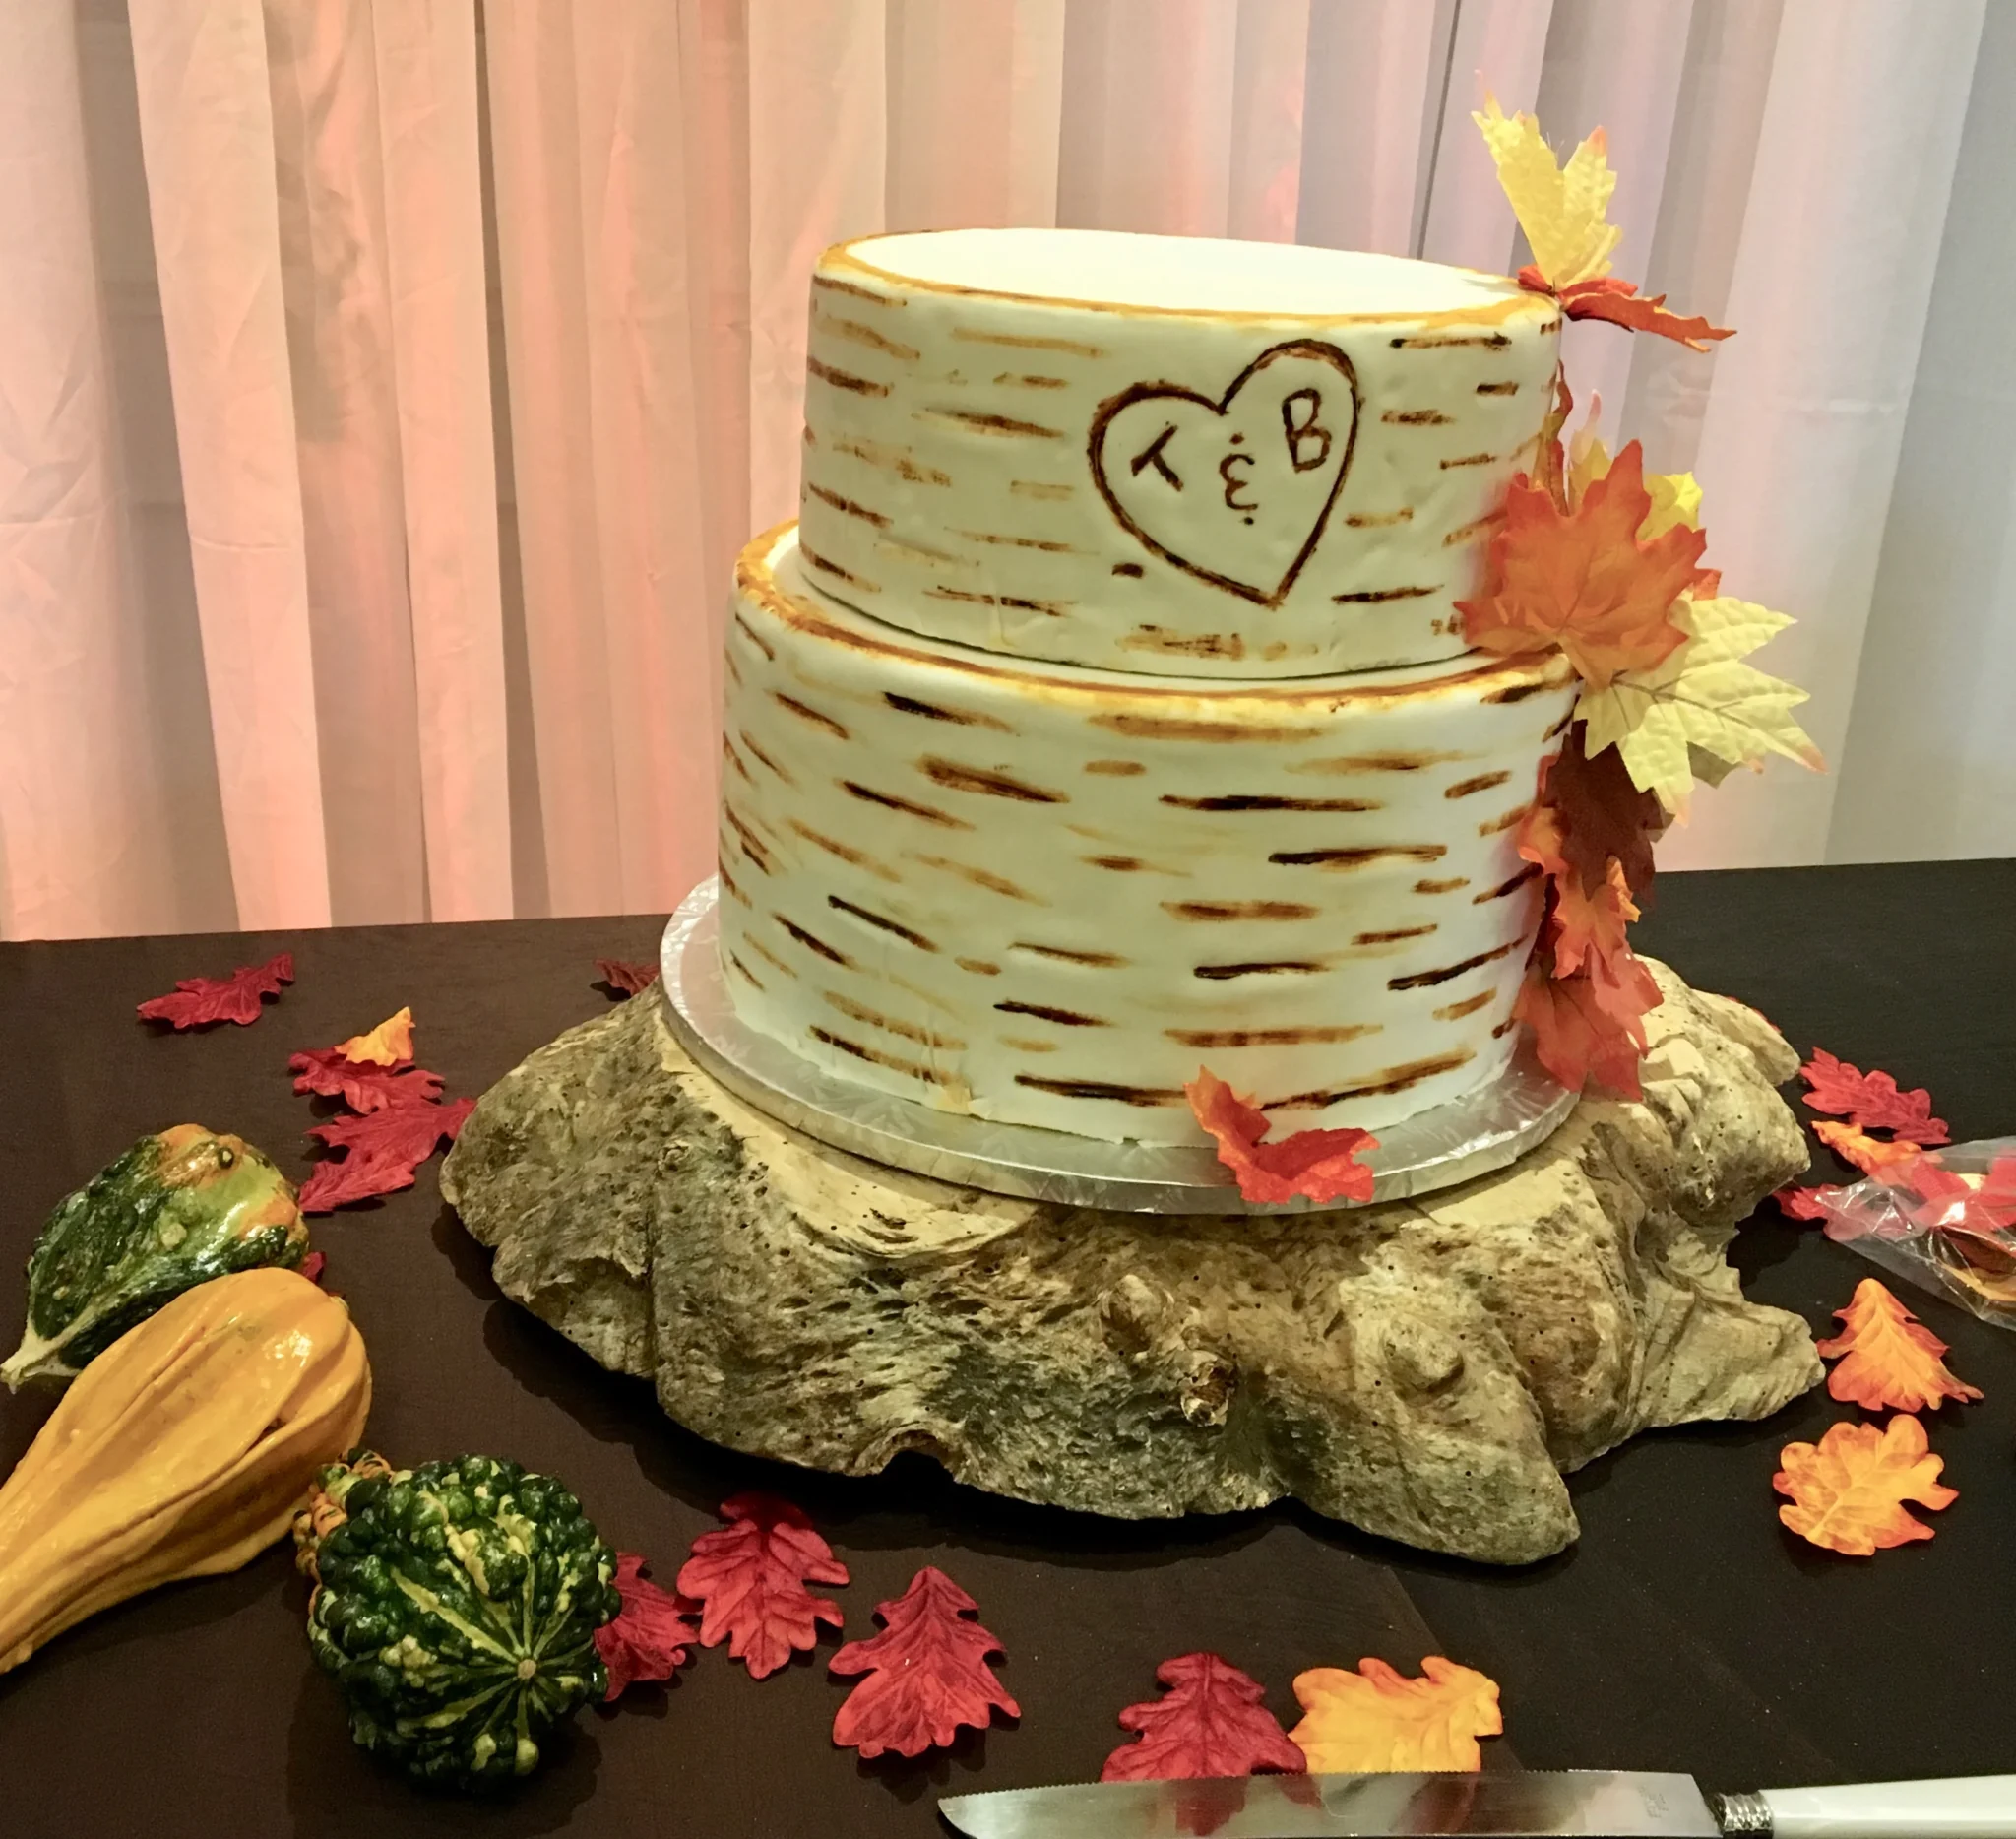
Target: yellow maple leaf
{"points": [[1376, 1720], [1562, 209], [387, 1044], [1675, 496], [1701, 711]]}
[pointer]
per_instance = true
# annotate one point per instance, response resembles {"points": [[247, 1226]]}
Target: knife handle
{"points": [[1963, 1807]]}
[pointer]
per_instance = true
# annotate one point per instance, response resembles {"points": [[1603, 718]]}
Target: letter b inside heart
{"points": [[1235, 490]]}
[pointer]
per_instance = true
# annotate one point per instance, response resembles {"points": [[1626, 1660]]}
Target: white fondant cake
{"points": [[1163, 455], [1048, 894]]}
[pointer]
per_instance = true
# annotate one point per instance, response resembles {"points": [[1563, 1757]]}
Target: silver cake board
{"points": [[1484, 1130]]}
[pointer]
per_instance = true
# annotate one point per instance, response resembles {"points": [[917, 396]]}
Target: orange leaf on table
{"points": [[198, 1002], [390, 1043], [1583, 580], [1805, 1203], [627, 976], [1376, 1720], [1848, 1491], [1321, 1165], [649, 1636], [1887, 1360], [1870, 1101], [1868, 1154], [927, 1672], [1212, 1721], [750, 1579]]}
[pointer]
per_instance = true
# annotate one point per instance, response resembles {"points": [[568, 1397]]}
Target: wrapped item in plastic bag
{"points": [[1943, 1218]]}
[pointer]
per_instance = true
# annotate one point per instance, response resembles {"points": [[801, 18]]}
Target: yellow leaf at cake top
{"points": [[1675, 496], [1701, 711], [1562, 209]]}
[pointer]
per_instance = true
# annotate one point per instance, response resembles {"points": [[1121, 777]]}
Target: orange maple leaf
{"points": [[1375, 1720], [1322, 1165], [1848, 1491], [1589, 1026], [1869, 1154], [1583, 580], [1589, 927], [1888, 1361], [387, 1045], [1620, 303]]}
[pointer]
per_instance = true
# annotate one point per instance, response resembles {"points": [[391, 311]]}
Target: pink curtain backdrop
{"points": [[386, 385]]}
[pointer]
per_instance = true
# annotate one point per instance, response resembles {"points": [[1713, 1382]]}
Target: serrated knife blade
{"points": [[1512, 1805]]}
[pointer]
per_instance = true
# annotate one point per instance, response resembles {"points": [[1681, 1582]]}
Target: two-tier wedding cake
{"points": [[1108, 711]]}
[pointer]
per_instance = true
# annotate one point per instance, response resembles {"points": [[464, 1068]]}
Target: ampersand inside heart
{"points": [[1236, 490]]}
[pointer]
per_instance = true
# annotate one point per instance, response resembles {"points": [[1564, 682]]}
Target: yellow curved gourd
{"points": [[181, 1451]]}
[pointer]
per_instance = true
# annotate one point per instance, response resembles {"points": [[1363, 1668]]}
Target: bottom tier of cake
{"points": [[1048, 895]]}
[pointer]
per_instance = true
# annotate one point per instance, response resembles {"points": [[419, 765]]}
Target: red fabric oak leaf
{"points": [[1212, 1721], [1620, 303], [381, 1152], [626, 976], [1321, 1165], [1805, 1203], [1947, 1202], [648, 1638], [362, 1085], [1583, 580], [313, 1265], [749, 1579], [1870, 1101], [926, 1672], [1589, 814], [200, 1000]]}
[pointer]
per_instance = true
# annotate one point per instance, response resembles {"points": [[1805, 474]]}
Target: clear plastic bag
{"points": [[1944, 1219]]}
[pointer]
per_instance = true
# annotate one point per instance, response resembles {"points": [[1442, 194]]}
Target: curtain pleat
{"points": [[388, 562], [426, 79], [205, 121], [1799, 448]]}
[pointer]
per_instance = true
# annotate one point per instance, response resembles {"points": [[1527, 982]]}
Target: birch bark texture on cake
{"points": [[1164, 453], [1424, 1370]]}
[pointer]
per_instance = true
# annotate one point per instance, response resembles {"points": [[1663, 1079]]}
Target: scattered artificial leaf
{"points": [[1867, 1153], [1701, 711], [1584, 581], [1805, 1203], [627, 978], [200, 1000], [390, 1043], [363, 1085], [1870, 1101], [1212, 1721], [649, 1636], [313, 1265], [1376, 1720], [1888, 1361], [1321, 1165], [1563, 209], [1621, 304], [1848, 1491], [927, 1672], [382, 1150], [749, 1578], [1588, 815], [1949, 1202]]}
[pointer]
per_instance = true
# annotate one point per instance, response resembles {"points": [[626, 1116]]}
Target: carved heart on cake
{"points": [[1235, 490]]}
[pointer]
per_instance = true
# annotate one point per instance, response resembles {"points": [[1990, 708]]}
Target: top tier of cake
{"points": [[1164, 454]]}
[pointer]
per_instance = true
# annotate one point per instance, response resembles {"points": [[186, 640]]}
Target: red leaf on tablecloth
{"points": [[649, 1636], [1619, 302], [1322, 1165], [1804, 1203], [313, 1265], [927, 1672], [200, 1000], [1889, 1360], [1588, 815], [1947, 1202], [1582, 579], [749, 1579], [363, 1085], [1212, 1721], [1868, 1154], [626, 976], [1870, 1101], [382, 1151]]}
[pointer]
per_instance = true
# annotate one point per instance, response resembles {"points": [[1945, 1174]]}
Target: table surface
{"points": [[1686, 1629]]}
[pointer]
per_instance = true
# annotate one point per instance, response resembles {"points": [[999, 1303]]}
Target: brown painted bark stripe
{"points": [[1311, 1035], [813, 944], [890, 802], [1142, 1097], [755, 638], [980, 422], [847, 505], [853, 330], [1018, 543], [847, 853], [1504, 888], [1427, 979], [1392, 1079], [1468, 460], [1267, 801], [1213, 911], [1097, 960], [896, 1063], [1511, 820], [1470, 1005], [729, 887], [1023, 380], [1055, 609], [768, 956], [982, 878], [1476, 528], [1429, 342], [890, 1024], [957, 778], [757, 753], [1378, 763], [938, 712], [1518, 692], [897, 459], [1441, 887], [844, 379], [860, 293], [756, 981], [1360, 859], [1416, 419], [1023, 342], [1484, 782], [1063, 1018], [1387, 938], [834, 569], [1366, 520], [806, 712], [882, 922], [1370, 596], [1497, 388], [1285, 966]]}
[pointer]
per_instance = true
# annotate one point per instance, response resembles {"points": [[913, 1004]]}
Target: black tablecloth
{"points": [[1686, 1630]]}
